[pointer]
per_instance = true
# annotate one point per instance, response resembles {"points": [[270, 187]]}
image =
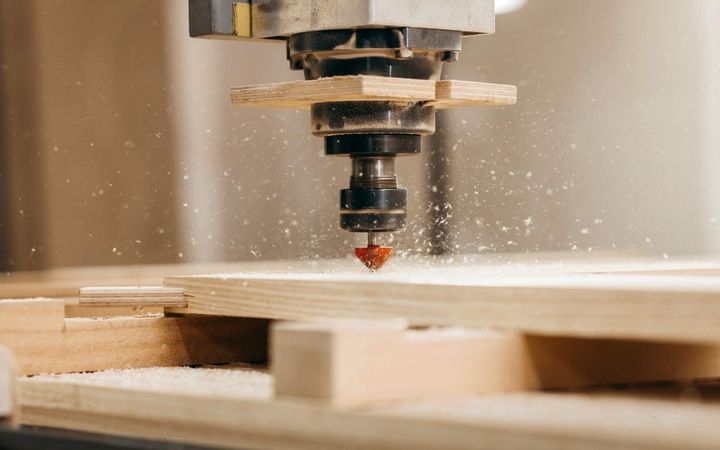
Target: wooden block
{"points": [[45, 342], [543, 301], [135, 296], [304, 93], [234, 408], [351, 363], [30, 315], [7, 385], [456, 93]]}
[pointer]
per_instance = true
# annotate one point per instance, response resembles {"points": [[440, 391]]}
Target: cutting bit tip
{"points": [[374, 256]]}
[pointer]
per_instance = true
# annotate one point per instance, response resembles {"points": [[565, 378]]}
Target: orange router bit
{"points": [[374, 256]]}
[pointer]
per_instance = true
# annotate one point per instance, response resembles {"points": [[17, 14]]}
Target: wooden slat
{"points": [[326, 361], [66, 282], [7, 384], [135, 296], [234, 409], [45, 342], [304, 93], [457, 93], [611, 306]]}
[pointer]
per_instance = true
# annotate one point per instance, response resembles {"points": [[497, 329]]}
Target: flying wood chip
{"points": [[374, 256]]}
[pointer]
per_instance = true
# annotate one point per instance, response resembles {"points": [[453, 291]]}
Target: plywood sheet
{"points": [[443, 94], [234, 408], [133, 296], [303, 93], [457, 93], [571, 299]]}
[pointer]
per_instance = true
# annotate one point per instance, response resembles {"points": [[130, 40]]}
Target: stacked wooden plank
{"points": [[423, 355]]}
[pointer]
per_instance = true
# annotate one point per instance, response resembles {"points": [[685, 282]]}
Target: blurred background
{"points": [[118, 144]]}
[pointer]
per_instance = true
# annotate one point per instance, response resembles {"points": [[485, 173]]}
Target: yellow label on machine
{"points": [[243, 19]]}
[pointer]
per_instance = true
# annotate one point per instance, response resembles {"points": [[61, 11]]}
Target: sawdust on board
{"points": [[234, 381]]}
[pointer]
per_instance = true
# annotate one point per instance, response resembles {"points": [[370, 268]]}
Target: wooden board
{"points": [[7, 384], [134, 296], [304, 93], [556, 299], [363, 362], [67, 282], [234, 408], [45, 342]]}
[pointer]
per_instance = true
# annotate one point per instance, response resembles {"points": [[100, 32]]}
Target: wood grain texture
{"points": [[305, 93], [134, 296], [67, 282], [457, 93], [45, 342], [351, 363], [7, 384], [234, 409], [539, 299]]}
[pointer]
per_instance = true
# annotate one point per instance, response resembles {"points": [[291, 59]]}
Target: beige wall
{"points": [[86, 141], [119, 144], [614, 141]]}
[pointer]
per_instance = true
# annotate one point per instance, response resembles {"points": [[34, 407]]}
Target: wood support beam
{"points": [[44, 341], [352, 363]]}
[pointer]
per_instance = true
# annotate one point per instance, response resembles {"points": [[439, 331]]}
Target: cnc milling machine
{"points": [[409, 39]]}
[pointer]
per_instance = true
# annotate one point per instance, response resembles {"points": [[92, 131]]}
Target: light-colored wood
{"points": [[7, 384], [73, 309], [45, 342], [135, 296], [66, 282], [305, 93], [457, 93], [553, 299], [234, 408], [351, 363]]}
